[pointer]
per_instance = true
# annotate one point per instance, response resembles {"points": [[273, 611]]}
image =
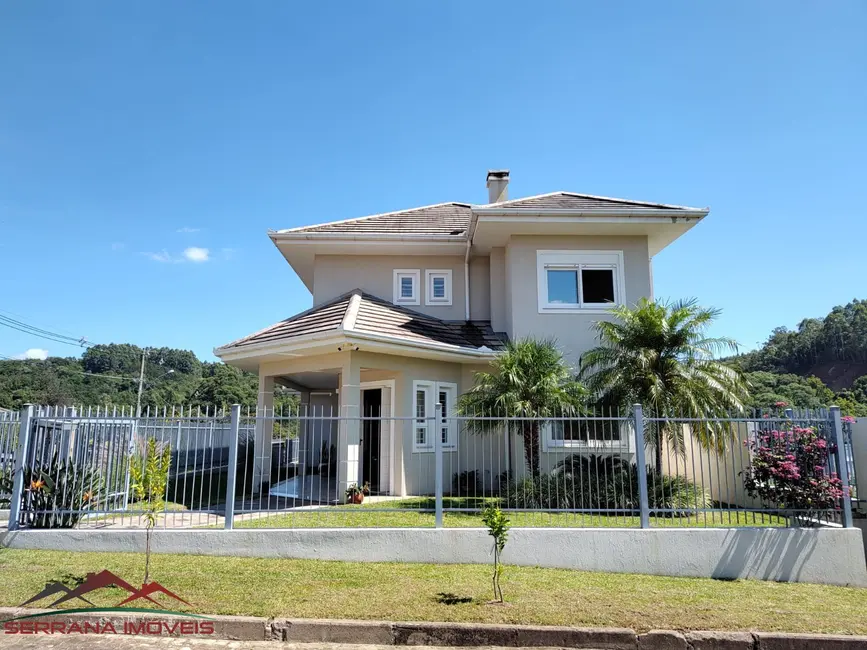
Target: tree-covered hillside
{"points": [[833, 348], [108, 375], [823, 361]]}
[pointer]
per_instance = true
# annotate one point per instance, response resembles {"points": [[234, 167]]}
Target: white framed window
{"points": [[587, 281], [586, 435], [438, 287], [426, 394], [406, 289]]}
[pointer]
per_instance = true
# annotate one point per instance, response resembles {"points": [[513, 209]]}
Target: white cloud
{"points": [[34, 353], [162, 256], [196, 254], [188, 229]]}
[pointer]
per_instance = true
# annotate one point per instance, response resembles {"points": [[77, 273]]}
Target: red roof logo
{"points": [[102, 580]]}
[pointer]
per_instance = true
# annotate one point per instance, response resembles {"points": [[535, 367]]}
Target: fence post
{"points": [[842, 465], [20, 462], [638, 416], [234, 439], [438, 465]]}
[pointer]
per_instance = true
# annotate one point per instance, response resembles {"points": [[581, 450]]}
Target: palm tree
{"points": [[657, 354], [530, 379]]}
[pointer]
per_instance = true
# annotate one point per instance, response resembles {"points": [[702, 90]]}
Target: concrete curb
{"points": [[252, 628]]}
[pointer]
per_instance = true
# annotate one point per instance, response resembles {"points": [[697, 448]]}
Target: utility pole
{"points": [[140, 383]]}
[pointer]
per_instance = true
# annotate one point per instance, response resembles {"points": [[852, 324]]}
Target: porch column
{"points": [[349, 426], [304, 446], [264, 431]]}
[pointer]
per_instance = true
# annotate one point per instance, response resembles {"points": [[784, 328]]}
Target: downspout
{"points": [[471, 231], [467, 280]]}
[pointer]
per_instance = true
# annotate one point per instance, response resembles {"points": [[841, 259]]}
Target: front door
{"points": [[371, 434]]}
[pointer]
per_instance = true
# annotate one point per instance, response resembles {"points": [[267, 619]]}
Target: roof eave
{"points": [[340, 336], [612, 212], [298, 237]]}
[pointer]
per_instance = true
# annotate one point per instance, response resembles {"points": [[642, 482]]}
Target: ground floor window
{"points": [[426, 395], [581, 433]]}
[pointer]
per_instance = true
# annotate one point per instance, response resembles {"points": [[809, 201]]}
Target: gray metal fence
{"points": [[9, 427], [310, 467]]}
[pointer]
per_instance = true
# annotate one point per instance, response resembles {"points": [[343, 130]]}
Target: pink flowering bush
{"points": [[788, 470]]}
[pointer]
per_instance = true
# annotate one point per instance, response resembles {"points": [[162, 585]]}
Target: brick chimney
{"points": [[498, 185]]}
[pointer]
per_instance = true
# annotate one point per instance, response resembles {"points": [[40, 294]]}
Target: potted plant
{"points": [[354, 494]]}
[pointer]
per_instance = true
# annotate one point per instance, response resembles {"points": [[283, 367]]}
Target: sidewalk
{"points": [[16, 642]]}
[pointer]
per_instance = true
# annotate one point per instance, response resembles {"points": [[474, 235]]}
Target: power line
{"points": [[96, 374], [48, 335], [37, 329], [20, 317]]}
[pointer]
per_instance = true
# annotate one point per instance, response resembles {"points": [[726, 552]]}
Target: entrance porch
{"points": [[346, 427]]}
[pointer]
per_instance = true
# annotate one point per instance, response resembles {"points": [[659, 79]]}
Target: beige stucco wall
{"points": [[719, 473], [320, 428], [572, 330], [480, 288], [336, 274], [497, 272], [859, 454], [413, 471]]}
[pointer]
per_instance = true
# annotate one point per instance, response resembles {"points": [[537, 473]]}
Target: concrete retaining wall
{"points": [[826, 555]]}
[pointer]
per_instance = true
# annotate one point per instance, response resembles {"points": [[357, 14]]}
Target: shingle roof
{"points": [[574, 201], [327, 316], [377, 316], [453, 219], [441, 219]]}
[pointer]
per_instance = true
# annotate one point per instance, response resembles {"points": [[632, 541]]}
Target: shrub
{"points": [[498, 528], [466, 484], [676, 494], [543, 492], [605, 484], [788, 469], [149, 474], [56, 492]]}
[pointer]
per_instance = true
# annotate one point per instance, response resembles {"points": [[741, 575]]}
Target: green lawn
{"points": [[414, 592], [410, 513]]}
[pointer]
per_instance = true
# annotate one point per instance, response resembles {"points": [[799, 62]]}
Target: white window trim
{"points": [[432, 388], [415, 274], [590, 446], [429, 276], [569, 259]]}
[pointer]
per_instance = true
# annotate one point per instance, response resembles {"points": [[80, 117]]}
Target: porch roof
{"points": [[359, 313]]}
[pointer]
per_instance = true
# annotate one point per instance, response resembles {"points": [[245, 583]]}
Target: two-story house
{"points": [[408, 305]]}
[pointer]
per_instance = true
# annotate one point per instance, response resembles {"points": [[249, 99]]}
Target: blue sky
{"points": [[132, 132]]}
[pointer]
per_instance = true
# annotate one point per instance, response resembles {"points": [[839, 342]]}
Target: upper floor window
{"points": [[406, 289], [439, 287], [579, 280]]}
